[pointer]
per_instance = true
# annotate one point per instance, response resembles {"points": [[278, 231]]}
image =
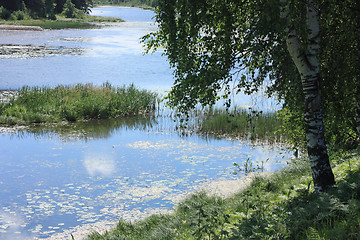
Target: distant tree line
{"points": [[151, 3], [42, 8]]}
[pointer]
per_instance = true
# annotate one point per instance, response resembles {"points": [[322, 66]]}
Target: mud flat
{"points": [[26, 51], [20, 28]]}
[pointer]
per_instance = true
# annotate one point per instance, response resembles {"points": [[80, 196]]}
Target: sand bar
{"points": [[20, 28]]}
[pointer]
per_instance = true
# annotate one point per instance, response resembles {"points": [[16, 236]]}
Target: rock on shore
{"points": [[20, 28], [6, 95]]}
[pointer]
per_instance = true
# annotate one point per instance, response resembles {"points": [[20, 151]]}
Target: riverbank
{"points": [[87, 22], [131, 3], [74, 102], [20, 28], [279, 206], [221, 188]]}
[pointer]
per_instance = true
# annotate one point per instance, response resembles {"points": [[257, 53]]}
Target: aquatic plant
{"points": [[76, 102], [280, 206], [243, 123]]}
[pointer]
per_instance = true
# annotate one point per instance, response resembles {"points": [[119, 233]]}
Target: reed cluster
{"points": [[76, 102], [241, 123]]}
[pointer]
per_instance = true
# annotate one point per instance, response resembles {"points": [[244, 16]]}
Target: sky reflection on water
{"points": [[54, 177], [57, 177]]}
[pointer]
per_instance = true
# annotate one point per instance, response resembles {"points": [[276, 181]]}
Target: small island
{"points": [[50, 14]]}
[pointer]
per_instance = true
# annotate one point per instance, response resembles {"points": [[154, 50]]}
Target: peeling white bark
{"points": [[358, 120], [309, 68]]}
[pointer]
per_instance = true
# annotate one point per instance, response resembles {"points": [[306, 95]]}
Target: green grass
{"points": [[280, 206], [76, 102], [241, 123], [150, 5], [51, 24], [62, 23]]}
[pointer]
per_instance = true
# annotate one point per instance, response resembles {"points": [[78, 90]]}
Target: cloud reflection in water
{"points": [[99, 165]]}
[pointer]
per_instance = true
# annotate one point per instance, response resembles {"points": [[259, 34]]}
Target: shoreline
{"points": [[20, 28], [220, 187]]}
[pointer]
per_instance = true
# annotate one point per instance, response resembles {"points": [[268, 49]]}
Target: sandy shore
{"points": [[20, 28]]}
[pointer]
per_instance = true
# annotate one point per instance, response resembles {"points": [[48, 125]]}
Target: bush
{"points": [[4, 13], [18, 15], [70, 11]]}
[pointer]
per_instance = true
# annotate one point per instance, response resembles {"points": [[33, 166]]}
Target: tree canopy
{"points": [[44, 8], [295, 49]]}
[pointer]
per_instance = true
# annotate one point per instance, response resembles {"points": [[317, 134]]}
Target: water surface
{"points": [[58, 177]]}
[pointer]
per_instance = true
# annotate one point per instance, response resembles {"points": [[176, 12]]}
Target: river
{"points": [[73, 178]]}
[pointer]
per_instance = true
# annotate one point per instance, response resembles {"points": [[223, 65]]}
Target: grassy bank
{"points": [[72, 103], [149, 4], [241, 123], [280, 206], [85, 22]]}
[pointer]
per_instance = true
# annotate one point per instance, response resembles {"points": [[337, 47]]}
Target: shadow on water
{"points": [[87, 130]]}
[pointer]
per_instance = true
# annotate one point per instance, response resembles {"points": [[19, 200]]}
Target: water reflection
{"points": [[86, 130], [97, 164], [61, 176], [58, 176]]}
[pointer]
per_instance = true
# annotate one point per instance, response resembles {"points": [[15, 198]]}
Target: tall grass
{"points": [[242, 123], [280, 206], [63, 23], [77, 102]]}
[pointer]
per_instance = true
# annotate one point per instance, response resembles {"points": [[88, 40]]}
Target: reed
{"points": [[63, 23], [241, 123], [76, 102]]}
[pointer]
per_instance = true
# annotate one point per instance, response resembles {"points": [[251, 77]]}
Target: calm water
{"points": [[57, 178]]}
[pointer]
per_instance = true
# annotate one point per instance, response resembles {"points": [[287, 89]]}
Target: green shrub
{"points": [[70, 11], [4, 13], [18, 15]]}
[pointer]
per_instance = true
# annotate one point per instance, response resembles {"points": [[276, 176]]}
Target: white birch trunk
{"points": [[309, 68], [358, 120]]}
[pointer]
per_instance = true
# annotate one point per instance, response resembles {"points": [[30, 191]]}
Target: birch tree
{"points": [[307, 63], [218, 47]]}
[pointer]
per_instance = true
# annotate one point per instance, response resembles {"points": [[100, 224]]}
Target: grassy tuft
{"points": [[79, 102], [63, 23], [279, 206], [242, 123]]}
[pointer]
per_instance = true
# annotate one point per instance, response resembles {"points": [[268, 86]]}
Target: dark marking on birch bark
{"points": [[317, 151], [358, 120]]}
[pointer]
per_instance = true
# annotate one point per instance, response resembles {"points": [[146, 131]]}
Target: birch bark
{"points": [[358, 120], [306, 61]]}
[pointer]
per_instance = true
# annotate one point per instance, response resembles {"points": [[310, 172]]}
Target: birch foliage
{"points": [[218, 47]]}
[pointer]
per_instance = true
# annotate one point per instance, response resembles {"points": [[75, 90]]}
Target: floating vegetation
{"points": [[167, 169], [28, 51]]}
